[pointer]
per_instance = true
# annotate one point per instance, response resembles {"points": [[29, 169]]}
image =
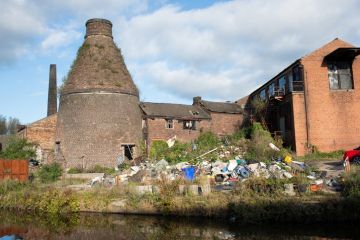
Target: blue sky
{"points": [[220, 50]]}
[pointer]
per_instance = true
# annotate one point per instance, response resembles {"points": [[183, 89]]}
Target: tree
{"points": [[3, 127], [8, 126], [12, 125], [18, 148]]}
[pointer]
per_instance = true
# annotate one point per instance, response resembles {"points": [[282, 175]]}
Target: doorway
{"points": [[128, 150]]}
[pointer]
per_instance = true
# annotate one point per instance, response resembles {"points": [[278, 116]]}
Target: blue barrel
{"points": [[189, 173]]}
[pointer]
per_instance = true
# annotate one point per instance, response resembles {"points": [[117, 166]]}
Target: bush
{"points": [[158, 150], [258, 148], [18, 148], [7, 186], [49, 172], [207, 141], [101, 169], [352, 184]]}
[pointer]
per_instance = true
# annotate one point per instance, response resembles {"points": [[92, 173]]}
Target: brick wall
{"points": [[158, 131], [225, 123], [333, 114], [42, 132], [299, 123], [93, 127]]}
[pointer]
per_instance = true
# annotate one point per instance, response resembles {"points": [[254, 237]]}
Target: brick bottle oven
{"points": [[99, 116]]}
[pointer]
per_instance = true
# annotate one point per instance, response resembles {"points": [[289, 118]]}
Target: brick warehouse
{"points": [[314, 102]]}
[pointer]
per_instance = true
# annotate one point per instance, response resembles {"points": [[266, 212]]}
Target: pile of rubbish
{"points": [[222, 172]]}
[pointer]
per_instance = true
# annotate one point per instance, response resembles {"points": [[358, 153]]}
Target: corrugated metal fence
{"points": [[14, 169]]}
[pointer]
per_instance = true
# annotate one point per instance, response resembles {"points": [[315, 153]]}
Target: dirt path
{"points": [[333, 167]]}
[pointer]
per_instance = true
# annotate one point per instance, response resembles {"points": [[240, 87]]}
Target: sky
{"points": [[174, 50]]}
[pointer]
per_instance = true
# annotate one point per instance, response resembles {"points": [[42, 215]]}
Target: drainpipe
{"points": [[307, 121]]}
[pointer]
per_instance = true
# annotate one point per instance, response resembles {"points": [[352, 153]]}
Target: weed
{"points": [[49, 172]]}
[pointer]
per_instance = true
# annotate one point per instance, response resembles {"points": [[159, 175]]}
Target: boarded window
{"points": [[339, 74], [169, 124]]}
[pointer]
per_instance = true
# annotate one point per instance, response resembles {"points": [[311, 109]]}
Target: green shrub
{"points": [[352, 184], [101, 169], [49, 172], [258, 147], [158, 150], [207, 141], [75, 170], [10, 185], [18, 148]]}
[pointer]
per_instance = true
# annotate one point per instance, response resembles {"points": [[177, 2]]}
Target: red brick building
{"points": [[314, 102], [163, 121], [42, 133], [226, 117]]}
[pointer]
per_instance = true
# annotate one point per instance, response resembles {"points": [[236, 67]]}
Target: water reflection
{"points": [[113, 226]]}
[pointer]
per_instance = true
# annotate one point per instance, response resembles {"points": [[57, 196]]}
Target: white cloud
{"points": [[226, 50], [58, 38]]}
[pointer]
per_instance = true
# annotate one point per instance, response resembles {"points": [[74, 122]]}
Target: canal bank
{"points": [[238, 205], [115, 226]]}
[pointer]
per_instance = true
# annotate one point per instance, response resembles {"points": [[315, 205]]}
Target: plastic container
{"points": [[189, 173]]}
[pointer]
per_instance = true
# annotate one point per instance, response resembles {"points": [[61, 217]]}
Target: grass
{"points": [[335, 155]]}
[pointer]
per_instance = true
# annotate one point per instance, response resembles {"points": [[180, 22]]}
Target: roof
{"points": [[320, 52], [173, 111], [221, 107], [99, 66], [343, 53]]}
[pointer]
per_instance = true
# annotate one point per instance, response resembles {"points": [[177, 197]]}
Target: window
{"points": [[169, 124], [263, 94], [339, 74], [282, 83], [189, 125], [271, 90], [290, 82], [297, 83]]}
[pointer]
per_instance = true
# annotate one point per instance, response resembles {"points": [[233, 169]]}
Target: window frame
{"points": [[335, 73], [169, 123]]}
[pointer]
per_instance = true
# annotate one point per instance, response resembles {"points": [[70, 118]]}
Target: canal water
{"points": [[114, 226]]}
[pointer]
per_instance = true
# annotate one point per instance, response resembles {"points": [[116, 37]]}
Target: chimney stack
{"points": [[196, 100], [52, 94]]}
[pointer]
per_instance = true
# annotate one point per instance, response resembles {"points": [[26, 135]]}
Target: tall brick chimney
{"points": [[52, 94]]}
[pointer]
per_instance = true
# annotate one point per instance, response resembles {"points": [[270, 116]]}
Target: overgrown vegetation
{"points": [[18, 148], [95, 169], [316, 155], [180, 152], [29, 197], [49, 172], [352, 184]]}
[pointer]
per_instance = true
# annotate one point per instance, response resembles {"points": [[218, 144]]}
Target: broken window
{"points": [[271, 89], [297, 83], [169, 124], [339, 74], [290, 82], [281, 87], [189, 125], [263, 94]]}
